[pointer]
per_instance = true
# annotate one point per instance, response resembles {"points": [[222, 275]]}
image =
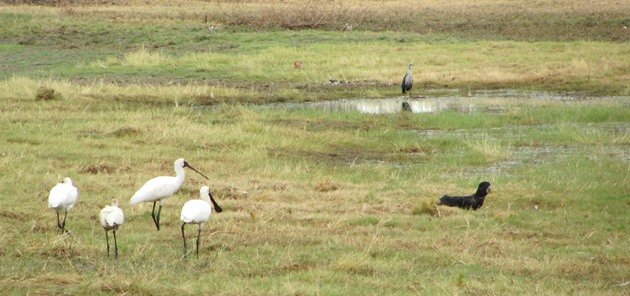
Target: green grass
{"points": [[167, 45], [336, 203], [318, 202]]}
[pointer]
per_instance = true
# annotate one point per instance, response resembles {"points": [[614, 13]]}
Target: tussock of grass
{"points": [[363, 220], [144, 58], [59, 279], [503, 216], [326, 186], [355, 265], [13, 215], [126, 132], [47, 94], [59, 250], [99, 169], [487, 149], [426, 207]]}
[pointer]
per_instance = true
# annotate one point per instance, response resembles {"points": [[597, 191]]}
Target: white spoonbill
{"points": [[159, 188], [197, 211], [63, 197], [111, 218]]}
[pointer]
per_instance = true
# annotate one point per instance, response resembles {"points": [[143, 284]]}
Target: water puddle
{"points": [[483, 101], [479, 102], [393, 105]]}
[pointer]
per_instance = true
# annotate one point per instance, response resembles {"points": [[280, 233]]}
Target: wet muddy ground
{"points": [[516, 149], [513, 144], [481, 101]]}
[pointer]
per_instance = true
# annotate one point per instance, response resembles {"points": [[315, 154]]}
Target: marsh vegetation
{"points": [[319, 202]]}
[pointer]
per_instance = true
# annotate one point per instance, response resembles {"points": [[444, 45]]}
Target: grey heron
{"points": [[407, 82]]}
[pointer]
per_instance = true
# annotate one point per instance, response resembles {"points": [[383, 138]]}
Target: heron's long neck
{"points": [[180, 174]]}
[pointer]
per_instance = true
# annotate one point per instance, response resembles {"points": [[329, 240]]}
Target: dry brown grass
{"points": [[602, 20], [326, 186], [317, 202]]}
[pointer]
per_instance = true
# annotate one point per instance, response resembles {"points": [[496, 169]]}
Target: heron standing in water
{"points": [[407, 82]]}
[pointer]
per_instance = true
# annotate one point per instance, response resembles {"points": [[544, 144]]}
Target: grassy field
{"points": [[318, 202], [199, 44]]}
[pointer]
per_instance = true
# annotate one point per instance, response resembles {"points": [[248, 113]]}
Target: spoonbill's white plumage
{"points": [[198, 211], [111, 218], [159, 188], [63, 197]]}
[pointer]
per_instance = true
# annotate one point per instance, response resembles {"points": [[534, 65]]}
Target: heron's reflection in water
{"points": [[387, 106]]}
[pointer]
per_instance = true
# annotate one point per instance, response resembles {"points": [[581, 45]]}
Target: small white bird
{"points": [[111, 218], [159, 188], [63, 197], [197, 211]]}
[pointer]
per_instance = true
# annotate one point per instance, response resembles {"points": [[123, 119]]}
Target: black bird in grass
{"points": [[407, 82], [474, 201]]}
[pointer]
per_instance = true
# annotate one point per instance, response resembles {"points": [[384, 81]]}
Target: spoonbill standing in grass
{"points": [[197, 211], [63, 197], [111, 218], [159, 188]]}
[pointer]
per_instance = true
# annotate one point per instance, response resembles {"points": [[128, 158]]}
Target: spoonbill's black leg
{"points": [[107, 239], [184, 238], [158, 218], [198, 237], [58, 222], [155, 221], [115, 245], [63, 224]]}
